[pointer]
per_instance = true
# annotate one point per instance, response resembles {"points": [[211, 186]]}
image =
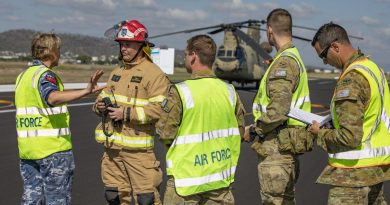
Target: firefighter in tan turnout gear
{"points": [[129, 107]]}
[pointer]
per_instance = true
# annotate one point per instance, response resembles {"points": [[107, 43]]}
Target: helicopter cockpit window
{"points": [[221, 53], [229, 53]]}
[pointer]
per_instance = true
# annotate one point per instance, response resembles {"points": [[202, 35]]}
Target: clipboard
{"points": [[307, 117]]}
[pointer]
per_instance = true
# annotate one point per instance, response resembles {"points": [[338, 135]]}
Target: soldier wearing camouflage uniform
{"points": [[204, 183], [42, 123], [359, 144], [284, 85]]}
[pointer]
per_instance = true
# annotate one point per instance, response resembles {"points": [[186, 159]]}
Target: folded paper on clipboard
{"points": [[307, 117]]}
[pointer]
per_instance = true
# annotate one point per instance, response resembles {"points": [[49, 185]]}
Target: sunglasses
{"points": [[324, 54]]}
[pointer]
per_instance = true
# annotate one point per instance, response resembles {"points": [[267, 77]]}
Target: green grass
{"points": [[323, 75], [72, 73], [180, 74]]}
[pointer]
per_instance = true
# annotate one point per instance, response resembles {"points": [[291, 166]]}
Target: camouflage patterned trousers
{"points": [[48, 180], [215, 197], [278, 172], [369, 195], [277, 182]]}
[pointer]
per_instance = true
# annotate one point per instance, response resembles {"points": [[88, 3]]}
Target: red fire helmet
{"points": [[133, 30]]}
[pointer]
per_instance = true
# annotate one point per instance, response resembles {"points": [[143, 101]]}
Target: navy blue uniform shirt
{"points": [[47, 83]]}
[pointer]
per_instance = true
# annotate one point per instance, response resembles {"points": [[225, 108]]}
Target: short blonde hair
{"points": [[43, 45]]}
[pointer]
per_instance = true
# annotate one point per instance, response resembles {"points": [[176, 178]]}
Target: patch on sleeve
{"points": [[343, 93], [166, 105], [51, 79], [170, 89], [346, 82], [283, 63], [280, 73]]}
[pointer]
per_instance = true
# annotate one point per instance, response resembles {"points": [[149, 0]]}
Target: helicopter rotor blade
{"points": [[315, 29], [186, 31], [305, 27], [230, 26], [220, 26], [216, 31], [294, 36], [356, 37], [295, 26], [248, 40], [301, 38]]}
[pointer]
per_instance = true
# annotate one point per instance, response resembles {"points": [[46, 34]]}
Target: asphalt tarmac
{"points": [[88, 188]]}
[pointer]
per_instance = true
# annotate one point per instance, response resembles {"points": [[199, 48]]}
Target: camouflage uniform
{"points": [[48, 180], [352, 185], [167, 128], [278, 170]]}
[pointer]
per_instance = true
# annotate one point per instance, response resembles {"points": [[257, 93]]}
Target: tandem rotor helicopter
{"points": [[241, 58]]}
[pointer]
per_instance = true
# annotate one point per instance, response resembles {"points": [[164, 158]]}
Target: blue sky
{"points": [[369, 19]]}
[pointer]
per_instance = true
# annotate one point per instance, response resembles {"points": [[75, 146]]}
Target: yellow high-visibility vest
{"points": [[42, 130], [300, 97], [205, 153], [374, 149]]}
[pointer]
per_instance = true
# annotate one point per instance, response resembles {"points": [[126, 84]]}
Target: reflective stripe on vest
{"points": [[186, 95], [300, 98], [375, 146], [208, 137], [43, 133], [386, 119], [196, 181], [42, 130], [294, 104], [139, 103], [190, 102], [198, 138], [41, 111]]}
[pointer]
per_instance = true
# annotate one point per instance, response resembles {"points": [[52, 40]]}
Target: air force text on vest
{"points": [[213, 157], [29, 122]]}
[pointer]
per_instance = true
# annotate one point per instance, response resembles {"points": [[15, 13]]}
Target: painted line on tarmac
{"points": [[325, 82], [319, 106], [81, 104], [6, 103], [70, 105], [11, 87]]}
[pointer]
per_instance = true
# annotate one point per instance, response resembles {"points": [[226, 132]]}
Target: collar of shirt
{"points": [[202, 74], [356, 56], [36, 62], [133, 64], [284, 47]]}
